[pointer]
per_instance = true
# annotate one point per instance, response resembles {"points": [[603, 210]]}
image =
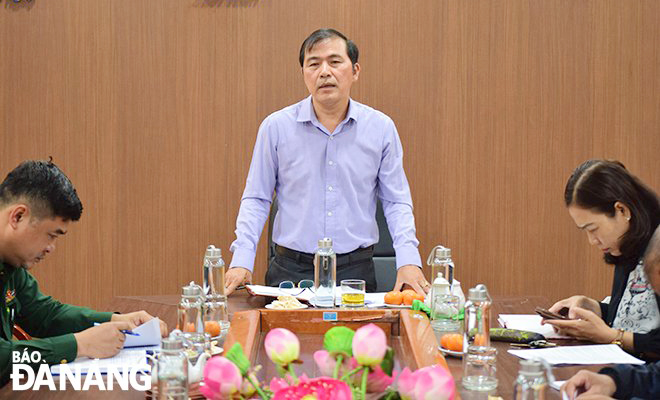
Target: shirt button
{"points": [[329, 213], [330, 162], [332, 138], [330, 188]]}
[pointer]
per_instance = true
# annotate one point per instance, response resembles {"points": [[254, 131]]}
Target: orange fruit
{"points": [[409, 295], [190, 327], [452, 341], [480, 339], [394, 297], [212, 328]]}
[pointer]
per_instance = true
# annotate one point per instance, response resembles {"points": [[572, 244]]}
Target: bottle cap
{"points": [[442, 252], [478, 293], [531, 367], [325, 243], [172, 343], [192, 289], [213, 251]]}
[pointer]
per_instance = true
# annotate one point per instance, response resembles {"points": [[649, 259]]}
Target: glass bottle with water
{"points": [[531, 383], [214, 272], [190, 321], [325, 274], [440, 261], [479, 359], [172, 370]]}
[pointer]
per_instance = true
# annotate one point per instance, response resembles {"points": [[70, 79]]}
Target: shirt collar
{"points": [[306, 113]]}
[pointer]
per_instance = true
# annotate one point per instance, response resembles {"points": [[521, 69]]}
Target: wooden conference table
{"points": [[165, 307]]}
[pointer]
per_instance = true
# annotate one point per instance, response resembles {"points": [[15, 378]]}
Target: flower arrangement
{"points": [[354, 364]]}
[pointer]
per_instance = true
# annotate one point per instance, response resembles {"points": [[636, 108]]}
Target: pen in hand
{"points": [[128, 332]]}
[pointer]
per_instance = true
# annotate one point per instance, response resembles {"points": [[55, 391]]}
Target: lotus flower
{"points": [[369, 345], [221, 379], [282, 346], [317, 389], [427, 383], [434, 382], [327, 363], [377, 380], [406, 384]]}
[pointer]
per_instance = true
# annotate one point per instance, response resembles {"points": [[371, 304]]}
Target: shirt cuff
{"points": [[407, 255], [64, 349], [243, 258]]}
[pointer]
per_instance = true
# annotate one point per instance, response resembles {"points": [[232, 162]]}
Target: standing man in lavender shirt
{"points": [[328, 159]]}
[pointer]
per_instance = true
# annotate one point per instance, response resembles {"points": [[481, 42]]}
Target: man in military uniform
{"points": [[37, 205]]}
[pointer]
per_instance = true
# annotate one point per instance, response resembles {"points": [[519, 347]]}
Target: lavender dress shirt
{"points": [[326, 184]]}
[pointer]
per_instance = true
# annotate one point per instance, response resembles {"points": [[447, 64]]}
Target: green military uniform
{"points": [[40, 316]]}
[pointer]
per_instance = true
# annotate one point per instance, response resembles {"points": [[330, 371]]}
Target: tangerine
{"points": [[190, 327], [394, 297], [452, 341], [212, 328]]}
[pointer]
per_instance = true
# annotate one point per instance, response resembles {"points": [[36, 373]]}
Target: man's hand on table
{"points": [[138, 318], [236, 276], [102, 341], [412, 276], [589, 385]]}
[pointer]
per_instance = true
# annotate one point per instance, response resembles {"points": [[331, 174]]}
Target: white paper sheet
{"points": [[529, 322], [128, 358], [149, 334], [580, 355]]}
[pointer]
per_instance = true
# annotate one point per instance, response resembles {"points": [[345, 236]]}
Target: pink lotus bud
{"points": [[369, 345], [282, 346], [406, 384], [327, 363], [434, 382], [221, 379]]}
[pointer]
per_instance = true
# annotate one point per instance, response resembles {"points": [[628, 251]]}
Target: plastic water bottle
{"points": [[172, 370], [214, 272], [325, 274]]}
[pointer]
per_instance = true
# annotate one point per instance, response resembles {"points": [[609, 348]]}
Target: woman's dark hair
{"points": [[321, 34], [597, 185], [44, 187]]}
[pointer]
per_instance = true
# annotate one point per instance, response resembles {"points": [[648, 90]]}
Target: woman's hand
{"points": [[583, 302], [584, 324]]}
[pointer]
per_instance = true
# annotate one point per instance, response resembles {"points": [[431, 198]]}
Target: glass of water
{"points": [[479, 368]]}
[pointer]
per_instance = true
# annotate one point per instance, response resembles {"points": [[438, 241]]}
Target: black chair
{"points": [[384, 257]]}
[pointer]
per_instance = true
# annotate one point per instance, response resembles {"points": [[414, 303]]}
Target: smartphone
{"points": [[563, 313]]}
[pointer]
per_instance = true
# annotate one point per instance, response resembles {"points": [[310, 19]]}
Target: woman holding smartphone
{"points": [[619, 215]]}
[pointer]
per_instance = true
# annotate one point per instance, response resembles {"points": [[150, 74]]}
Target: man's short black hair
{"points": [[327, 33], [44, 187]]}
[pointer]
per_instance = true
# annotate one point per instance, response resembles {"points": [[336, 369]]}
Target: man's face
{"points": [[328, 72], [34, 238]]}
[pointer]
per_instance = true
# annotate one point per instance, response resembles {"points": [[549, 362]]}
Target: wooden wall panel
{"points": [[152, 109]]}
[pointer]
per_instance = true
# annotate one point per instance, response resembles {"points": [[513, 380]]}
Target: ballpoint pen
{"points": [[128, 332]]}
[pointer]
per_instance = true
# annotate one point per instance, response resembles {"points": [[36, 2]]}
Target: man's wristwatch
{"points": [[618, 340]]}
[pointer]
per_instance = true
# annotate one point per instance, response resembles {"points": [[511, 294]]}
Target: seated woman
{"points": [[619, 214]]}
